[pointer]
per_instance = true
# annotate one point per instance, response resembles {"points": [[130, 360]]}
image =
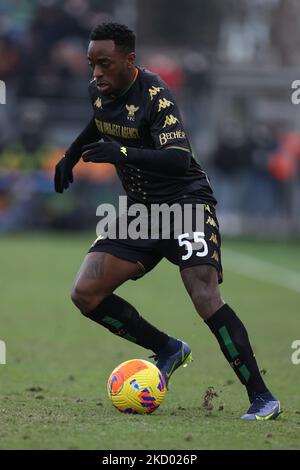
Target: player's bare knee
{"points": [[79, 297], [201, 292], [86, 300], [201, 283], [206, 299]]}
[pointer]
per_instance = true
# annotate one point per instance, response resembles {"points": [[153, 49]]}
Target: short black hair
{"points": [[119, 33]]}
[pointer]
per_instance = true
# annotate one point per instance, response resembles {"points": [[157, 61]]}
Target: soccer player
{"points": [[136, 126]]}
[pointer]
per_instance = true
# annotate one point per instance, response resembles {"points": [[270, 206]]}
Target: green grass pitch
{"points": [[53, 387]]}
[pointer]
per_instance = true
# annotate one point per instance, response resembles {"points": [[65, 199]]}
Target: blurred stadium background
{"points": [[230, 64]]}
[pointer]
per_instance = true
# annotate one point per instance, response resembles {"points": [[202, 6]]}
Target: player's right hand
{"points": [[63, 174]]}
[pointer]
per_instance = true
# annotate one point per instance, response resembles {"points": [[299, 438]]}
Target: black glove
{"points": [[63, 173], [104, 152], [171, 162]]}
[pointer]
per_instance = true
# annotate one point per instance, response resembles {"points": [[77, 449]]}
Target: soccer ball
{"points": [[136, 387]]}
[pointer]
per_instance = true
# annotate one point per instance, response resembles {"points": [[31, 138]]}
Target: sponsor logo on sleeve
{"points": [[164, 137]]}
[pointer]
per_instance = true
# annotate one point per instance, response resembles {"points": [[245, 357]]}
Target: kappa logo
{"points": [[213, 238], [131, 111], [210, 221], [170, 119], [215, 256], [164, 103], [207, 208], [154, 90], [98, 103]]}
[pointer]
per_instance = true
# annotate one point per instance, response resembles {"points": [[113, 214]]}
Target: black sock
{"points": [[234, 343], [123, 319]]}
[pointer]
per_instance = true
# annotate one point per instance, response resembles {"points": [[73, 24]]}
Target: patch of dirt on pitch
{"points": [[34, 389], [209, 396], [229, 382]]}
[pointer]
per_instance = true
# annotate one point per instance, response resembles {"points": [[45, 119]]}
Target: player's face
{"points": [[112, 67]]}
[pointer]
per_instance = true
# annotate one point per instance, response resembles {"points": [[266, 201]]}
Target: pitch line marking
{"points": [[265, 271]]}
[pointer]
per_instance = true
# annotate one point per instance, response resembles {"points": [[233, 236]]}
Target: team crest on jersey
{"points": [[131, 111], [98, 103], [170, 119]]}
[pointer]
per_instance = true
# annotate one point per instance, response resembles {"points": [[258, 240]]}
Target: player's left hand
{"points": [[104, 152]]}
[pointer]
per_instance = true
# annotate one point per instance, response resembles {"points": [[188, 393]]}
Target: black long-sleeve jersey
{"points": [[146, 116]]}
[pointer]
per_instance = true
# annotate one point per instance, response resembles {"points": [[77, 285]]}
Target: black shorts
{"points": [[201, 245]]}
